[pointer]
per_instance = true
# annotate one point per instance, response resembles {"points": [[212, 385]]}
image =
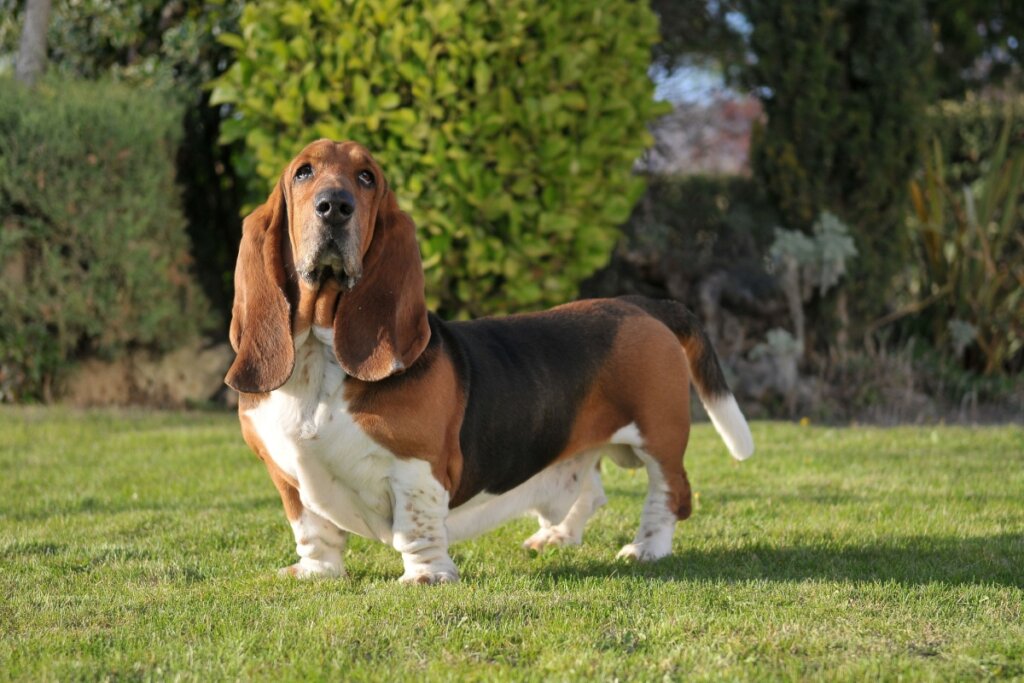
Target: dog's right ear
{"points": [[261, 316]]}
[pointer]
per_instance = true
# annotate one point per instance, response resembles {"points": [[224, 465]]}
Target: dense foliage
{"points": [[970, 242], [975, 44], [697, 32], [508, 130], [844, 87], [152, 42], [93, 251], [969, 132], [169, 46], [704, 223]]}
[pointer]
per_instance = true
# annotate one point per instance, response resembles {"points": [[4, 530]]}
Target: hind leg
{"points": [[668, 497], [653, 539], [569, 531], [564, 498]]}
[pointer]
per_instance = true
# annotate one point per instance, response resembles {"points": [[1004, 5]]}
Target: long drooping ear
{"points": [[380, 326], [261, 314]]}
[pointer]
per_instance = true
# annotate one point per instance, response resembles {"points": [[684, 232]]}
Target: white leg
{"points": [[653, 539], [570, 530], [320, 546], [421, 506]]}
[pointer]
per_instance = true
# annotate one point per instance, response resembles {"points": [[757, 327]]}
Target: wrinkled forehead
{"points": [[341, 155]]}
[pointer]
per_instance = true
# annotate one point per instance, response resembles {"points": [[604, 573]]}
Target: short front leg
{"points": [[320, 546], [418, 527], [318, 542]]}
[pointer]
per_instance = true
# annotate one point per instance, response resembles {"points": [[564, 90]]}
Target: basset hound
{"points": [[377, 418]]}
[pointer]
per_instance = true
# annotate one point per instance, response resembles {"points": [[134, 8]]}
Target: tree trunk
{"points": [[32, 50]]}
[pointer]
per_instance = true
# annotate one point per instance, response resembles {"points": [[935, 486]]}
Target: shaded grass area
{"points": [[143, 545]]}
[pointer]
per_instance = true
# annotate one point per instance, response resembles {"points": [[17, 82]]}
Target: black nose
{"points": [[335, 205]]}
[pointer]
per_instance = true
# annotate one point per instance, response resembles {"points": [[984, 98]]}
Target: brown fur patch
{"points": [[261, 312], [416, 415], [646, 380]]}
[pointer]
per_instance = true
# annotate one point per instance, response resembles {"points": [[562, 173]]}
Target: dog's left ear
{"points": [[380, 327]]}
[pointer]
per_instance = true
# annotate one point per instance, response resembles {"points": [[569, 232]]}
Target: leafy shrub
{"points": [[701, 240], [970, 241], [93, 248], [684, 228], [818, 261], [508, 129], [171, 46]]}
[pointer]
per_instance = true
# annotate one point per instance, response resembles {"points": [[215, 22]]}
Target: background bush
{"points": [[844, 86], [968, 132], [93, 250], [966, 287], [970, 241], [508, 129], [171, 46]]}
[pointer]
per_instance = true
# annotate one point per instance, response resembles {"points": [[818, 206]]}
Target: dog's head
{"points": [[329, 244]]}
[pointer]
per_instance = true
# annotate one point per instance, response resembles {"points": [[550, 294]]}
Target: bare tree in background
{"points": [[32, 50]]}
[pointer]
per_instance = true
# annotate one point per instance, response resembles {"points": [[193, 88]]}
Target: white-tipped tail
{"points": [[731, 425]]}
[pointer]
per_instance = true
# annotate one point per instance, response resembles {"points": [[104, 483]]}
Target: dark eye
{"points": [[366, 178], [304, 172]]}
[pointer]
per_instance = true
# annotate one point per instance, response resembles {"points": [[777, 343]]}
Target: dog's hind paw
{"points": [[547, 538]]}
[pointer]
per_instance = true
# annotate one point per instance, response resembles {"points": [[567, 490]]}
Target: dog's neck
{"points": [[316, 304], [316, 308], [325, 335]]}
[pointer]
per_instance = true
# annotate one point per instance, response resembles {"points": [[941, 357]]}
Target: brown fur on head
{"points": [[330, 239]]}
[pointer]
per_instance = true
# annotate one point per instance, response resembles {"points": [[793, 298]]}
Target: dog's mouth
{"points": [[329, 268]]}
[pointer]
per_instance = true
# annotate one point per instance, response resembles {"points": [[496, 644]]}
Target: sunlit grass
{"points": [[144, 545]]}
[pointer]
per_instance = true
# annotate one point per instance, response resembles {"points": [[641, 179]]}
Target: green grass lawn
{"points": [[144, 545]]}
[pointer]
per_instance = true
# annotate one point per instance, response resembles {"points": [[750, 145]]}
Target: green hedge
{"points": [[170, 46], [509, 129], [93, 250]]}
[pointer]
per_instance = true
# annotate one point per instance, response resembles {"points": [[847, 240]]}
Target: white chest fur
{"points": [[343, 475]]}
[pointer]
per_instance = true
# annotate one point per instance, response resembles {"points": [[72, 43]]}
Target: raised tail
{"points": [[712, 388]]}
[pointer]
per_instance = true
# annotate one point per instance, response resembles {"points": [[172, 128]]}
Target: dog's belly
{"points": [[551, 492]]}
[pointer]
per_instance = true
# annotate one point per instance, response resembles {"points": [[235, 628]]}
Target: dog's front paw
{"points": [[643, 552], [312, 569], [430, 577]]}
